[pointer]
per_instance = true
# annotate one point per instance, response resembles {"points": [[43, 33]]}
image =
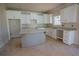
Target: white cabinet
{"points": [[54, 33], [69, 14], [69, 37], [40, 17], [51, 32], [36, 17], [46, 18], [30, 17], [25, 18], [12, 14]]}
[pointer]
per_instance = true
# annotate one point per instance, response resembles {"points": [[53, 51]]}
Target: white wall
{"points": [[4, 36]]}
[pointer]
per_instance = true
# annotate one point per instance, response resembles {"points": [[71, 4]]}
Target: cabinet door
{"points": [[68, 14], [54, 33], [34, 18], [62, 16], [13, 14], [46, 18], [69, 37], [25, 18], [17, 15], [34, 15], [51, 32], [65, 37]]}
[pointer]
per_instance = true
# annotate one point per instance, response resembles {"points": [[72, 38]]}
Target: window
{"points": [[57, 20]]}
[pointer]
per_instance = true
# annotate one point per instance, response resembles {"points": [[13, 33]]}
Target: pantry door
{"points": [[14, 26]]}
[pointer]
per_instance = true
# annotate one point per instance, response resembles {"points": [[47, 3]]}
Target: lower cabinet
{"points": [[51, 32], [69, 37]]}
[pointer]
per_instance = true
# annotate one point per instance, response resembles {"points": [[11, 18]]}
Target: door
{"points": [[14, 26]]}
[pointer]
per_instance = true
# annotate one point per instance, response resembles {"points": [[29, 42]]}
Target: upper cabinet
{"points": [[12, 14], [31, 17], [28, 17], [47, 18], [43, 18], [25, 17], [34, 17], [69, 14], [38, 17]]}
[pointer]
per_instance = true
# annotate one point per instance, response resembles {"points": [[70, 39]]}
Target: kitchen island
{"points": [[32, 37]]}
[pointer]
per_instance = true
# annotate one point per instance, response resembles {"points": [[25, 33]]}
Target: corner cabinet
{"points": [[69, 14]]}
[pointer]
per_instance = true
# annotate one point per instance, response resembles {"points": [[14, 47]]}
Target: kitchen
{"points": [[53, 23], [59, 23]]}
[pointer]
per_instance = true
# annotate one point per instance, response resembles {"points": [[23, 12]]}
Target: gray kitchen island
{"points": [[32, 37]]}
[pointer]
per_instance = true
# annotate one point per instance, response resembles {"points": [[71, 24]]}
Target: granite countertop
{"points": [[32, 30], [56, 27], [64, 28], [44, 26]]}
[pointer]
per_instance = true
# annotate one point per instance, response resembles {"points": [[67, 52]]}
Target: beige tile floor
{"points": [[50, 48]]}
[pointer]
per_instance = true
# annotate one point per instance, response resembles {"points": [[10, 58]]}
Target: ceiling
{"points": [[42, 7]]}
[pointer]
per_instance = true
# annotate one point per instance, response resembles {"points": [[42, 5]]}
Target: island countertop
{"points": [[30, 31]]}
